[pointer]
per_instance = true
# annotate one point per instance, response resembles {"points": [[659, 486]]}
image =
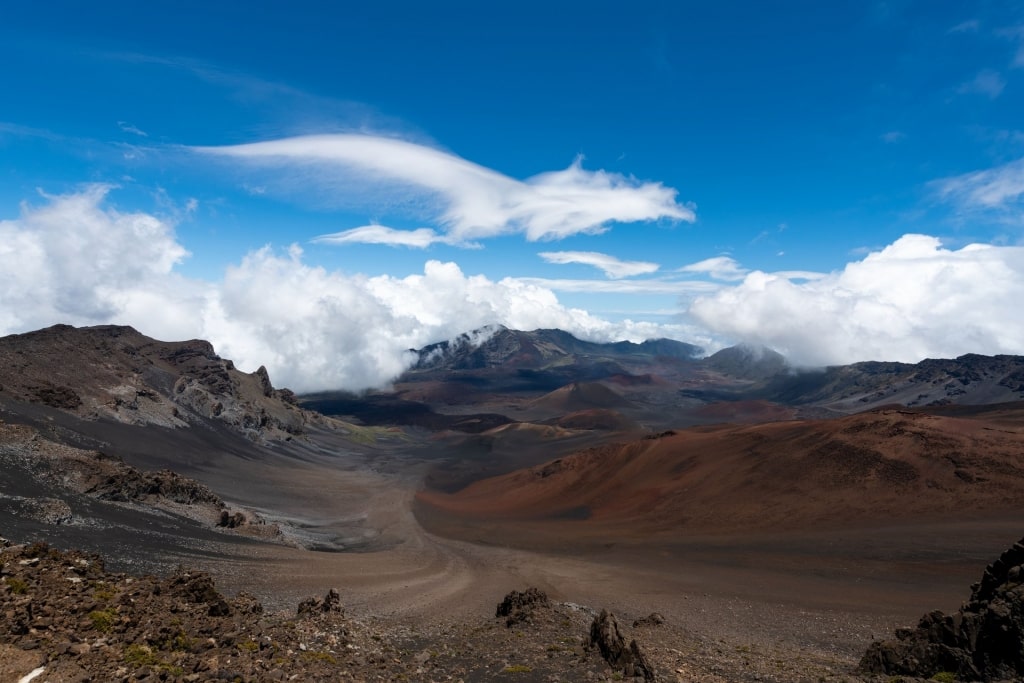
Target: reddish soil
{"points": [[873, 467], [745, 412]]}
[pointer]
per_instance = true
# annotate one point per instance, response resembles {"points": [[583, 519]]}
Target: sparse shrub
{"points": [[140, 655], [104, 593], [38, 549], [179, 642], [517, 669], [312, 656], [944, 677], [17, 586], [249, 646], [103, 620]]}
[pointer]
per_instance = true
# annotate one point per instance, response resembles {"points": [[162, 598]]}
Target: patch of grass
{"points": [[102, 592], [312, 656], [17, 586], [249, 646], [517, 669], [944, 677], [140, 655], [103, 620], [179, 642]]}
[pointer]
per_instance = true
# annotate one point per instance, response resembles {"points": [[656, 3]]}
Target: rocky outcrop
{"points": [[329, 603], [983, 640], [606, 637], [116, 373], [519, 606]]}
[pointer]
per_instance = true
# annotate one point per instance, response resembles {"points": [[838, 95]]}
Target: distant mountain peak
{"points": [[498, 346]]}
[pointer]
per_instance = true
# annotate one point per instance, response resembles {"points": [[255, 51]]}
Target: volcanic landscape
{"points": [[742, 519]]}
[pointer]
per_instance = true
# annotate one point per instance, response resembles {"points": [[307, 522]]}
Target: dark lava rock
{"points": [[652, 619], [605, 635], [330, 603], [518, 607], [983, 640]]}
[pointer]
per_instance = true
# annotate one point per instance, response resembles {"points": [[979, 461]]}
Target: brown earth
{"points": [[872, 467]]}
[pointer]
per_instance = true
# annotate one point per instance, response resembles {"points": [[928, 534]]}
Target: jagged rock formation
{"points": [[606, 637], [983, 640], [518, 606], [331, 602], [113, 372]]}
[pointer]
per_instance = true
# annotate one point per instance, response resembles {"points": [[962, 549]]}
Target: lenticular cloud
{"points": [[466, 200], [911, 300]]}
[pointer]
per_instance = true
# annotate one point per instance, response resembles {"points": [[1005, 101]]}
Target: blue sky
{"points": [[841, 181]]}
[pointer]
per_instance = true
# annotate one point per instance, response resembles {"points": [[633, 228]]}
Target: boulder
{"points": [[983, 640], [606, 637], [518, 606]]}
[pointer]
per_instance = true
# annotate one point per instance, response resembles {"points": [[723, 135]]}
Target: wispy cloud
{"points": [[987, 82], [16, 129], [998, 189], [612, 267], [420, 238], [129, 128], [718, 267], [893, 136], [969, 26], [467, 201], [651, 286]]}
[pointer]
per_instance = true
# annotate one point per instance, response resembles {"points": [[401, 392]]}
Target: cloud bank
{"points": [[467, 201], [912, 300], [76, 260]]}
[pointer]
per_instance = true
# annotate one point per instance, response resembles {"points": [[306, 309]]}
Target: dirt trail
{"points": [[786, 593]]}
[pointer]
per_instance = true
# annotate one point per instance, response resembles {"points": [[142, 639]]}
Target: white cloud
{"points": [[893, 136], [612, 267], [129, 128], [468, 201], [71, 260], [969, 26], [718, 267], [987, 82], [911, 300], [651, 286], [421, 238], [999, 188], [76, 260]]}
